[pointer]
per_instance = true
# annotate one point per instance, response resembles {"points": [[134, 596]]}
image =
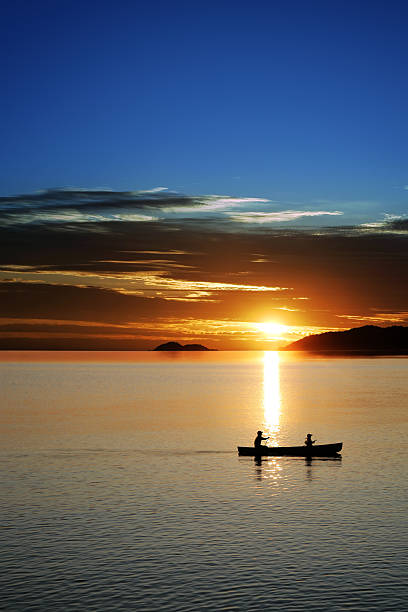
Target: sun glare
{"points": [[272, 329]]}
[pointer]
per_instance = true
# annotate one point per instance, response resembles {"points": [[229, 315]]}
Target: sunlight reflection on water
{"points": [[271, 396]]}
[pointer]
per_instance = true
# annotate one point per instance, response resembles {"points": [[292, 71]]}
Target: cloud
{"points": [[398, 224], [390, 223], [396, 317], [278, 217], [151, 263], [170, 252], [105, 210], [100, 206], [213, 203], [72, 217], [91, 255], [148, 283], [159, 281]]}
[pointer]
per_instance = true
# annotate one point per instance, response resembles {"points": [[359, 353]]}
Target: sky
{"points": [[233, 174]]}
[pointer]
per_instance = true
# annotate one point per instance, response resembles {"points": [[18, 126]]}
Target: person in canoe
{"points": [[309, 442], [258, 439]]}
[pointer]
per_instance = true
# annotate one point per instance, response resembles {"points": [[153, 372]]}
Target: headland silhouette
{"points": [[369, 340]]}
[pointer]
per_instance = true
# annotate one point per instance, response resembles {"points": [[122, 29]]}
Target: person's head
{"points": [[260, 433], [309, 435]]}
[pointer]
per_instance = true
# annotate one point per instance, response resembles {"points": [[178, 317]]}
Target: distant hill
{"points": [[368, 339], [175, 346]]}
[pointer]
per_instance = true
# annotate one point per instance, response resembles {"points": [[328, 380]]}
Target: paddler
{"points": [[258, 439], [309, 441]]}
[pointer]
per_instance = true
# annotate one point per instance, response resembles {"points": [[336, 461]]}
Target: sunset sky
{"points": [[233, 174]]}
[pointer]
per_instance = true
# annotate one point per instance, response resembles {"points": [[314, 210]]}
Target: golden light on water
{"points": [[271, 395]]}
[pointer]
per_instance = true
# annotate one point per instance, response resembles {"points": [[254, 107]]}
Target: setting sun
{"points": [[272, 328]]}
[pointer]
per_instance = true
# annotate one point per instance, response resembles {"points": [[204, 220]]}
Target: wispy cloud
{"points": [[96, 208], [389, 223], [396, 317], [70, 206], [142, 282], [170, 252], [160, 282], [213, 203], [278, 217], [73, 216], [151, 263], [154, 190]]}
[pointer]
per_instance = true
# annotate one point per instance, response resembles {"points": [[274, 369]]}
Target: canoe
{"points": [[317, 450]]}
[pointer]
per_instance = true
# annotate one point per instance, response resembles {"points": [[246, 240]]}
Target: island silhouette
{"points": [[369, 339], [175, 346]]}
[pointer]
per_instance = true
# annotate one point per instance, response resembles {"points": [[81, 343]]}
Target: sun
{"points": [[272, 328]]}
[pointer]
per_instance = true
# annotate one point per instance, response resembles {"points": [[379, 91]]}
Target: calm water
{"points": [[122, 488]]}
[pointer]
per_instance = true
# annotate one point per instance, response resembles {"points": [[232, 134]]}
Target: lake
{"points": [[122, 488]]}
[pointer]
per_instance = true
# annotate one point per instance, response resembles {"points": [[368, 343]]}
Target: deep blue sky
{"points": [[295, 101]]}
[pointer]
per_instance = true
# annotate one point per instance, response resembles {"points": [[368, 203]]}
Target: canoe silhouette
{"points": [[317, 450]]}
